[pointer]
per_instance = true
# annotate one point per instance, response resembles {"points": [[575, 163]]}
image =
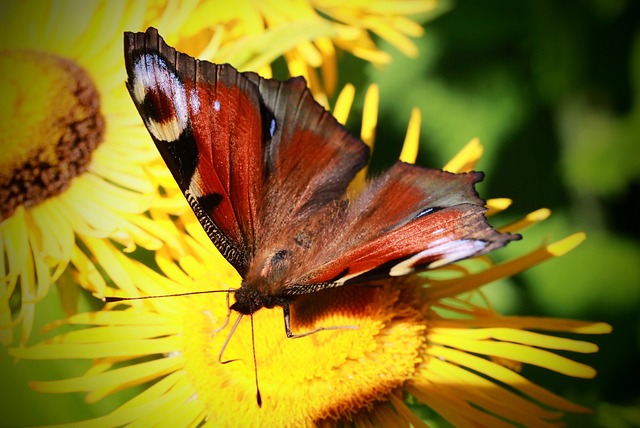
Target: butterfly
{"points": [[266, 170]]}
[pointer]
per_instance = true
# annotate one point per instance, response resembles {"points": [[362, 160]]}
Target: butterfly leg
{"points": [[287, 326], [226, 342], [226, 320]]}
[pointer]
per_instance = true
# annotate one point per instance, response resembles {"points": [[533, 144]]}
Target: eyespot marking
{"points": [[161, 96]]}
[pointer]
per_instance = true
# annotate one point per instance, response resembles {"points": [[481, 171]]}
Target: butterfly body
{"points": [[266, 171]]}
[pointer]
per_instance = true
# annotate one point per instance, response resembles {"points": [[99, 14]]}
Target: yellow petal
{"points": [[465, 160], [446, 288], [343, 103], [409, 151], [370, 115], [517, 352], [520, 336], [497, 205], [504, 376], [115, 379], [530, 219], [134, 348]]}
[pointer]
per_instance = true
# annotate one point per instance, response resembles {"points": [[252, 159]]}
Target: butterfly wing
{"points": [[206, 123], [310, 162], [238, 145], [408, 219]]}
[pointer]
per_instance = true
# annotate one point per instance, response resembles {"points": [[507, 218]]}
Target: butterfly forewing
{"points": [[309, 162], [206, 121]]}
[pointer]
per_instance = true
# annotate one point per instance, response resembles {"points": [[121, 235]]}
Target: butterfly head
{"points": [[249, 299]]}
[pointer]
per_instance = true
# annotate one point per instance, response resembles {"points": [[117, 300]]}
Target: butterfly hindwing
{"points": [[423, 218]]}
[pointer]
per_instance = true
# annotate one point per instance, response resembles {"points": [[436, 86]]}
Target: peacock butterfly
{"points": [[265, 169]]}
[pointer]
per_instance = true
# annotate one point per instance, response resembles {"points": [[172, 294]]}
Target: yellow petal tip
{"points": [[466, 158], [597, 328], [567, 244], [497, 205], [409, 151], [343, 103], [539, 215]]}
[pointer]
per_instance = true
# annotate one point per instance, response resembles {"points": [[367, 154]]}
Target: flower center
{"points": [[51, 124], [326, 376]]}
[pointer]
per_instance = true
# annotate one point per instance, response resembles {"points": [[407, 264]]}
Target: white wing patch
{"points": [[341, 281], [194, 101], [150, 73], [450, 251]]}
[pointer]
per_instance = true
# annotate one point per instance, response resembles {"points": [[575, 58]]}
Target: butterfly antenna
{"points": [[108, 299], [255, 364], [253, 347]]}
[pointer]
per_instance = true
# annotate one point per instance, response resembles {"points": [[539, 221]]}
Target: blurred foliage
{"points": [[552, 89]]}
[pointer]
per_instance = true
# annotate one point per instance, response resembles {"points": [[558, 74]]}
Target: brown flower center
{"points": [[51, 124]]}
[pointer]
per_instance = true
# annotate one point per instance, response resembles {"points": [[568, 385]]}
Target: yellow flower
{"points": [[326, 25], [74, 152], [428, 337]]}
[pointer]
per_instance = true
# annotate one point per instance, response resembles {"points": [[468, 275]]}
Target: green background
{"points": [[552, 89]]}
